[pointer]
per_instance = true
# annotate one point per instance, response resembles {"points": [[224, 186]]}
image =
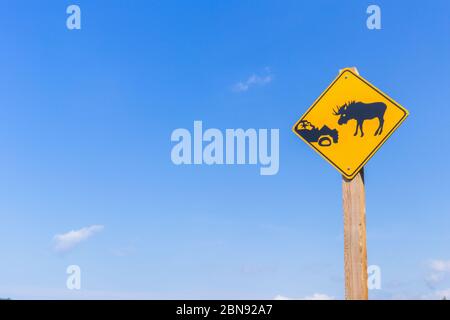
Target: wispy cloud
{"points": [[319, 296], [437, 295], [440, 265], [254, 80], [19, 292], [441, 294], [315, 296], [438, 269], [67, 241]]}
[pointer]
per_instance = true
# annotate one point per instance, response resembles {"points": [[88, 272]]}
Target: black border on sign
{"points": [[353, 174]]}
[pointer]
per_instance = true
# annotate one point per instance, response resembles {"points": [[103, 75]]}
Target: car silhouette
{"points": [[325, 136]]}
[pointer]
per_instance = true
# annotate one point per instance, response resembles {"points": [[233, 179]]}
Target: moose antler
{"points": [[336, 112]]}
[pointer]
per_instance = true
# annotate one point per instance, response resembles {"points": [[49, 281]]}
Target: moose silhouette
{"points": [[360, 112]]}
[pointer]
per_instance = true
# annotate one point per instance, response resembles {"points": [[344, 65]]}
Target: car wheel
{"points": [[324, 141]]}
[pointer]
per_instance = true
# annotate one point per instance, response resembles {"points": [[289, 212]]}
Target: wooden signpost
{"points": [[347, 125], [355, 248]]}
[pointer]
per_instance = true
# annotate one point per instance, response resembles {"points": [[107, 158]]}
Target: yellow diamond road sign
{"points": [[349, 122]]}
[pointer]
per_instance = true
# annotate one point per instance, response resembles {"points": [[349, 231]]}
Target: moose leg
{"points": [[380, 127], [357, 127], [361, 127]]}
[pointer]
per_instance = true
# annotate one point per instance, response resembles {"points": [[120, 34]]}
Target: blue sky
{"points": [[85, 129]]}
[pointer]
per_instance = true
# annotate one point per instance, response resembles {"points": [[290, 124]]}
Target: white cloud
{"points": [[280, 297], [319, 296], [253, 80], [440, 265], [46, 293], [433, 279], [437, 295], [315, 296], [67, 241], [438, 271], [440, 294]]}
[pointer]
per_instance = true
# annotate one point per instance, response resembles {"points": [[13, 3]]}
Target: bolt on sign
{"points": [[349, 122]]}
